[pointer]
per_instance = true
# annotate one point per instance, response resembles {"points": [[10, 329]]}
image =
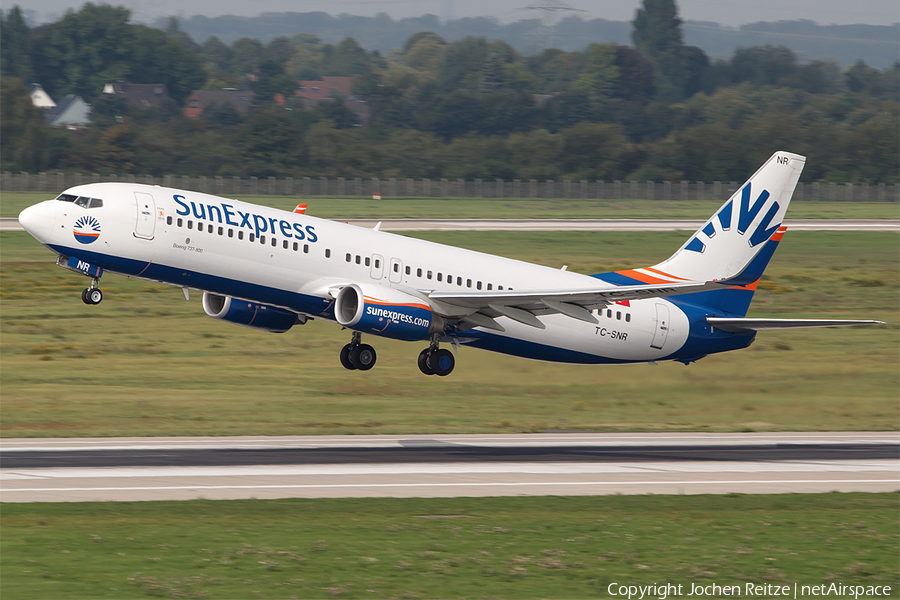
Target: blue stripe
{"points": [[521, 348], [312, 305]]}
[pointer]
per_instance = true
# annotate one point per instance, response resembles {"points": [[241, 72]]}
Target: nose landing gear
{"points": [[356, 355], [92, 295]]}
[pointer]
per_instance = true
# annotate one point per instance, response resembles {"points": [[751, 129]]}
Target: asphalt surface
{"points": [[441, 466], [11, 224]]}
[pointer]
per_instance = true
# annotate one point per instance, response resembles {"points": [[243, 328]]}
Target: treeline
{"points": [[474, 108], [875, 44]]}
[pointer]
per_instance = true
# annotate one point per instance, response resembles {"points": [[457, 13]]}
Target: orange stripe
{"points": [[666, 274], [749, 286], [642, 277], [87, 234], [383, 303]]}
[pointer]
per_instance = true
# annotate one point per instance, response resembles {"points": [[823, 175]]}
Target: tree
{"points": [[657, 35], [600, 76], [23, 129], [15, 46]]}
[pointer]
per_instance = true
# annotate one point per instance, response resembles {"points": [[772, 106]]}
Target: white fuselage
{"points": [[154, 233]]}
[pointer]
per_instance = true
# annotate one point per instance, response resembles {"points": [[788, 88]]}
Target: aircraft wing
{"points": [[481, 307], [736, 325]]}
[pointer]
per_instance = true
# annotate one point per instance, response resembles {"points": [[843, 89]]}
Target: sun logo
{"points": [[87, 230]]}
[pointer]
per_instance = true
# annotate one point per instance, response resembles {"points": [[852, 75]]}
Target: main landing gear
{"points": [[358, 356], [432, 360], [92, 295], [436, 361]]}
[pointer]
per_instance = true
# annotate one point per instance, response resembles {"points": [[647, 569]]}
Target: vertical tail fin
{"points": [[726, 246], [735, 244]]}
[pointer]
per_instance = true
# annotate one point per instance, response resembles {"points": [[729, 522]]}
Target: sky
{"points": [[726, 12]]}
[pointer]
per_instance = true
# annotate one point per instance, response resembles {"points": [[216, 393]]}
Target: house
{"points": [[39, 97], [327, 87], [71, 112], [241, 100], [141, 95]]}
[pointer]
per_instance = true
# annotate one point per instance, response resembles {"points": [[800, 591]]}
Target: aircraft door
{"points": [[662, 327], [146, 216], [396, 273], [377, 271]]}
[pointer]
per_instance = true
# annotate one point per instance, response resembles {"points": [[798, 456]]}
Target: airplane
{"points": [[271, 270]]}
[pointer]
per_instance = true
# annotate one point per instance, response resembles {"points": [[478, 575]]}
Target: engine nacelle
{"points": [[250, 314], [384, 311]]}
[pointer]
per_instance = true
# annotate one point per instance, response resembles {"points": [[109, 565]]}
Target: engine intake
{"points": [[386, 312], [249, 314]]}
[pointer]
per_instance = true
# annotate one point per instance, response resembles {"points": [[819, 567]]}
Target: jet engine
{"points": [[250, 314], [384, 311]]}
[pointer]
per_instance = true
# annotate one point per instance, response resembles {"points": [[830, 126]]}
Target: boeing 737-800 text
{"points": [[271, 270]]}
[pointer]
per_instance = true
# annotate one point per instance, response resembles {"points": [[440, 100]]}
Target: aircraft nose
{"points": [[38, 220]]}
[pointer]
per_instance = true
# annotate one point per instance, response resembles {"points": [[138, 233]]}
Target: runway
{"points": [[11, 224], [71, 470]]}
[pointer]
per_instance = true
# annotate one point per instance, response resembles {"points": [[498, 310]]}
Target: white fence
{"points": [[444, 188]]}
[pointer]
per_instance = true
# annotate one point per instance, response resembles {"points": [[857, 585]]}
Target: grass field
{"points": [[550, 547], [145, 362], [510, 208]]}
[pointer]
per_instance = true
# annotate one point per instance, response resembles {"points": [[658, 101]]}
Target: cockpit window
{"points": [[82, 201], [95, 203], [66, 197]]}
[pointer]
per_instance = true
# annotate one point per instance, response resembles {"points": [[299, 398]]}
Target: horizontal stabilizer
{"points": [[739, 325]]}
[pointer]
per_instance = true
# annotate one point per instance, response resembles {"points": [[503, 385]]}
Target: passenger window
{"points": [[221, 230], [179, 222], [327, 253], [358, 259], [377, 263], [499, 287], [407, 270], [210, 228], [478, 285], [490, 287], [82, 201], [627, 317], [285, 245], [428, 275], [168, 220], [199, 227], [305, 248], [240, 235], [97, 203], [608, 314], [349, 258], [468, 283], [190, 224], [231, 233], [262, 239], [396, 267], [439, 277], [418, 272], [252, 237], [368, 261], [296, 246], [618, 315]]}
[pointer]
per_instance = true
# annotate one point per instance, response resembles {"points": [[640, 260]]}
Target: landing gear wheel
{"points": [[423, 362], [345, 358], [442, 362], [91, 296], [363, 357]]}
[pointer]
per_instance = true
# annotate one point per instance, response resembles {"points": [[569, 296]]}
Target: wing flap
{"points": [[736, 325], [548, 301]]}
